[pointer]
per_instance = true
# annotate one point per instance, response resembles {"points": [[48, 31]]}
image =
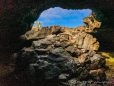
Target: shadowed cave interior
{"points": [[14, 26], [15, 18]]}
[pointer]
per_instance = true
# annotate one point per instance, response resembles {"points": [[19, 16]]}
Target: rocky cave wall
{"points": [[61, 56], [17, 15]]}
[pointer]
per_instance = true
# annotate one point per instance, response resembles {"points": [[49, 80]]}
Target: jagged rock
{"points": [[58, 55], [70, 49], [75, 61], [41, 43], [98, 75], [83, 58], [51, 63], [16, 15], [99, 60], [78, 52], [72, 82], [84, 74], [62, 54], [37, 34], [92, 66], [63, 76], [91, 53], [15, 20], [91, 23], [41, 51], [57, 44], [49, 70], [32, 35], [86, 41], [66, 36], [90, 43]]}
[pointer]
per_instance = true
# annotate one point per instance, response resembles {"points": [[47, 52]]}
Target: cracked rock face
{"points": [[16, 16], [59, 63], [60, 55], [78, 35]]}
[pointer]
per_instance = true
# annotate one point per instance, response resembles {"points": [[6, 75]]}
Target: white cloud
{"points": [[50, 13]]}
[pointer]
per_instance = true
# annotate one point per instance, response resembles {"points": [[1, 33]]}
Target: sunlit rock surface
{"points": [[61, 55], [16, 16]]}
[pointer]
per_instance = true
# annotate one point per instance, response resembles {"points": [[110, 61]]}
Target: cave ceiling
{"points": [[27, 11]]}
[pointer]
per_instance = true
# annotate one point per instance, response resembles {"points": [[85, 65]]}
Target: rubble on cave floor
{"points": [[61, 55]]}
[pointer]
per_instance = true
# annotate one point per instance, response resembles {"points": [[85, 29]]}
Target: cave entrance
{"points": [[62, 17]]}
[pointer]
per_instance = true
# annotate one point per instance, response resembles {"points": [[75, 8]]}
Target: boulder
{"points": [[98, 75], [98, 59], [62, 54], [63, 76], [83, 58], [91, 23]]}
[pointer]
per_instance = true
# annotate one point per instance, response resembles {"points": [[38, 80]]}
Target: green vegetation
{"points": [[109, 63]]}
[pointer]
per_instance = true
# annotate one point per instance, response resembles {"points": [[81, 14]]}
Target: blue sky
{"points": [[63, 17]]}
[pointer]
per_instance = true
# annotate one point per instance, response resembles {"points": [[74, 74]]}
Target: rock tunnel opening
{"points": [[21, 7], [20, 24], [61, 56], [100, 16], [63, 17], [60, 17], [23, 13], [97, 13], [57, 16]]}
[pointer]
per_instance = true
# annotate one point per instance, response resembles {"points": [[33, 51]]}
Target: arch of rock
{"points": [[16, 15]]}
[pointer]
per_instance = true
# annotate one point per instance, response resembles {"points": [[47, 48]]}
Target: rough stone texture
{"points": [[91, 23], [17, 16], [59, 54], [58, 63], [77, 35]]}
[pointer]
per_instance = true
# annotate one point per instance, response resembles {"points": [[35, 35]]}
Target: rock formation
{"points": [[61, 56], [16, 17]]}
